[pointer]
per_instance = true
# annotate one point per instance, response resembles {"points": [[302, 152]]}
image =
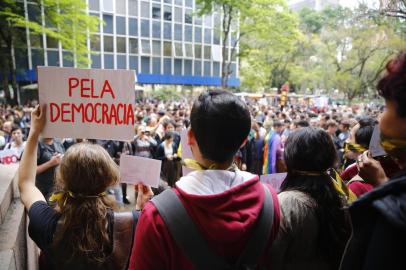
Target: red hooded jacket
{"points": [[226, 220]]}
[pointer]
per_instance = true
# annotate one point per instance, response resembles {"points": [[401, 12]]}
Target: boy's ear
{"points": [[191, 140]]}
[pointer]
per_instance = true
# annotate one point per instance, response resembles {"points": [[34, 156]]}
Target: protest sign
{"points": [[9, 156], [87, 103], [134, 170], [275, 180]]}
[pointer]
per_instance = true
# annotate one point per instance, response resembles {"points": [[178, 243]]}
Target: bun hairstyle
{"points": [[364, 132], [86, 171], [393, 85]]}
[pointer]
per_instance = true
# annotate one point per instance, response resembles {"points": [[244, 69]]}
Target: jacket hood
{"points": [[222, 201]]}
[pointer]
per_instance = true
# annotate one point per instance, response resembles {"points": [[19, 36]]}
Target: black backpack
{"points": [[188, 238]]}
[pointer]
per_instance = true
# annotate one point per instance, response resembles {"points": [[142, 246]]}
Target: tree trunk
{"points": [[227, 18]]}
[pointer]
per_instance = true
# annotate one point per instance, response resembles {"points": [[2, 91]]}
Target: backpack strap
{"points": [[257, 244], [185, 232], [190, 240]]}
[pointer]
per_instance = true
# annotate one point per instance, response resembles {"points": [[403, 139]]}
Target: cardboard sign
{"points": [[9, 156], [87, 103], [375, 147], [275, 180], [135, 170]]}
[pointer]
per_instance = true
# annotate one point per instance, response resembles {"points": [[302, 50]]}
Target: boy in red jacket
{"points": [[223, 202]]}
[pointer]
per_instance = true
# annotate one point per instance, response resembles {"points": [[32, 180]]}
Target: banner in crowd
{"points": [[275, 180], [9, 156], [135, 170], [87, 103]]}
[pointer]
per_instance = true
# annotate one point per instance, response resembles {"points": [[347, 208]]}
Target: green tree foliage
{"points": [[64, 21]]}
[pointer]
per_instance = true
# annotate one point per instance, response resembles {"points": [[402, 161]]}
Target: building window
{"points": [[108, 61], [207, 52], [132, 7], [207, 36], [52, 43], [120, 6], [156, 65], [145, 28], [53, 58], [34, 13], [216, 69], [198, 68], [198, 20], [188, 50], [108, 5], [108, 44], [216, 37], [37, 57], [207, 68], [178, 15], [94, 5], [145, 47], [167, 66], [168, 1], [133, 43], [68, 59], [207, 20], [156, 48], [156, 11], [198, 51], [189, 3], [233, 70], [108, 24], [167, 13], [167, 48], [133, 63], [145, 65], [133, 26], [121, 62], [96, 60], [187, 68], [156, 29], [179, 2], [178, 32], [95, 43], [178, 49], [188, 33], [188, 16], [144, 10], [121, 46], [198, 34], [167, 31], [178, 67], [120, 25]]}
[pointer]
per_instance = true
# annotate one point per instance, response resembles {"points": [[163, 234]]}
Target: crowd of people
{"points": [[220, 216]]}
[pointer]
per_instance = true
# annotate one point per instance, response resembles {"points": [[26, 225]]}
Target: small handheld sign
{"points": [[87, 103], [135, 170]]}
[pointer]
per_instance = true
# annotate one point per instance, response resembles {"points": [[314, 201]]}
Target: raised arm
{"points": [[28, 165]]}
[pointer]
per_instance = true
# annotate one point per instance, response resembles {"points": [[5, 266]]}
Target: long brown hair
{"points": [[86, 170]]}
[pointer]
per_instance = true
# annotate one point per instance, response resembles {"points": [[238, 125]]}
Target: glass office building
{"points": [[165, 41]]}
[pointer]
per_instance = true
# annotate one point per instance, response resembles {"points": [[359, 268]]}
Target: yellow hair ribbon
{"points": [[392, 144], [354, 147], [342, 188], [64, 195]]}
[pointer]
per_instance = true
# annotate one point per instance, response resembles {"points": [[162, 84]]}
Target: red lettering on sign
{"points": [[107, 88], [73, 83], [54, 108], [96, 112], [84, 89], [65, 111]]}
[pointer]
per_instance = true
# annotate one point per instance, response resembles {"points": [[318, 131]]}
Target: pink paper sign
{"points": [[186, 151], [87, 103], [135, 170], [9, 156], [275, 180]]}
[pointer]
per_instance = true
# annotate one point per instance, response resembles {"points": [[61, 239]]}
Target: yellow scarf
{"points": [[194, 165], [392, 144], [64, 195]]}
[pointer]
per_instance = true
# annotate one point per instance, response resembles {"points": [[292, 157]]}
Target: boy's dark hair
{"points": [[14, 128], [220, 122]]}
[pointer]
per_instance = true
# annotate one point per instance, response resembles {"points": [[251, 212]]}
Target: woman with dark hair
{"points": [[357, 143], [314, 227], [167, 153], [378, 218], [82, 232]]}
